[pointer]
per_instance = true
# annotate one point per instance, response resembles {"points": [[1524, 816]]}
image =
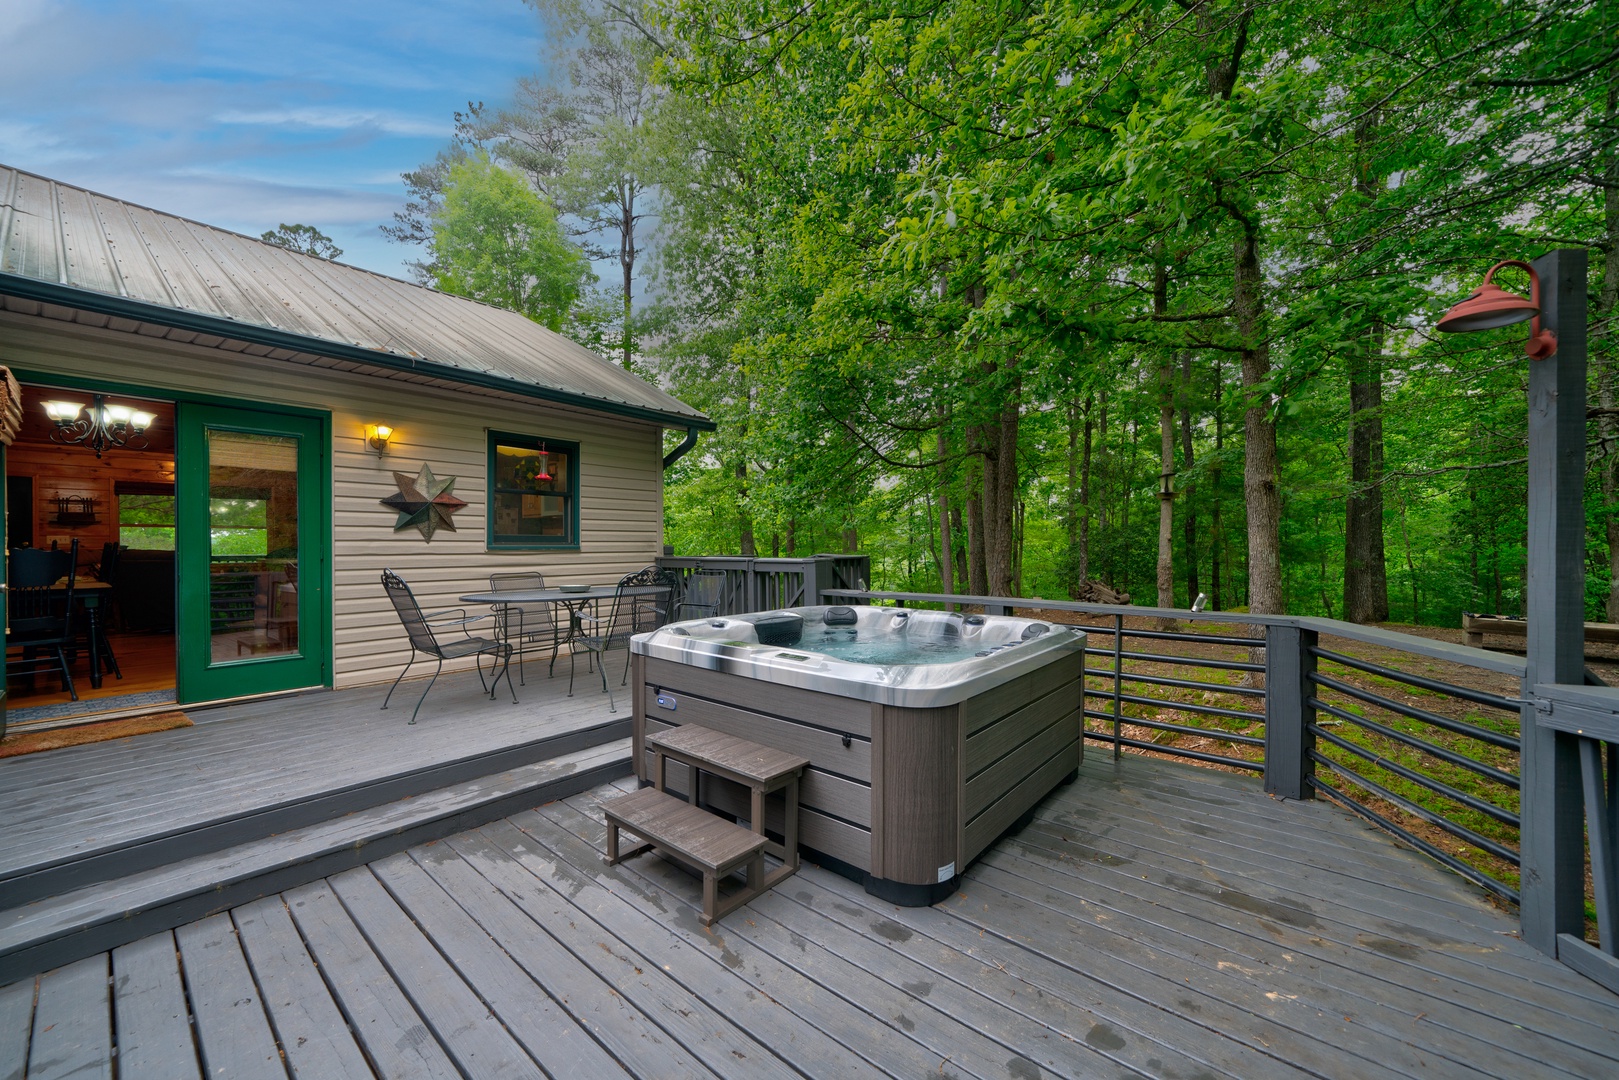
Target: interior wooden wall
{"points": [[74, 470]]}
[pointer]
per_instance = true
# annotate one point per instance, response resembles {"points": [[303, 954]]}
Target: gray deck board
{"points": [[1203, 913], [307, 1022], [72, 1023], [1152, 920], [910, 1033], [103, 795], [382, 1018], [233, 1031], [637, 918], [150, 1014], [463, 1023], [16, 1025], [558, 1020]]}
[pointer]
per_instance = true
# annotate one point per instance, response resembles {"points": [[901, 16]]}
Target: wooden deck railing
{"points": [[1419, 737]]}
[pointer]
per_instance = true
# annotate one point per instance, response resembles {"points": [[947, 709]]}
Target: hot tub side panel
{"points": [[1021, 740], [835, 794], [915, 808]]}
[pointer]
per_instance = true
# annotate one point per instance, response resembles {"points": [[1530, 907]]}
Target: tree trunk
{"points": [[791, 544], [956, 531], [1216, 529], [1071, 518], [1082, 558], [744, 515], [977, 580], [1366, 587], [1608, 357], [947, 577], [1188, 489], [1166, 484], [1366, 590], [1259, 457], [851, 538], [998, 443]]}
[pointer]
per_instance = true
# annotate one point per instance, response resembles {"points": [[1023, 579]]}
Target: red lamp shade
{"points": [[1491, 307]]}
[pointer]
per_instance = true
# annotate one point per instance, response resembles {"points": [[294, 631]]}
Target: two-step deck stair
{"points": [[715, 846]]}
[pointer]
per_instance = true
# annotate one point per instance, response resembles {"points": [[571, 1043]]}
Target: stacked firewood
{"points": [[10, 407], [1094, 592]]}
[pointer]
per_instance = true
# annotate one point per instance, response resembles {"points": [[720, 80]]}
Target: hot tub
{"points": [[929, 734]]}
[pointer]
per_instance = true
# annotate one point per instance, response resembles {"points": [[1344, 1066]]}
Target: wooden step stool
{"points": [[699, 840], [694, 836]]}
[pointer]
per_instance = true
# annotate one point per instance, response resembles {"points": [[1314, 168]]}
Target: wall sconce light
{"points": [[1491, 306], [377, 436]]}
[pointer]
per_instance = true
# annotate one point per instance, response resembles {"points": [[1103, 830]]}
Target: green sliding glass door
{"points": [[253, 544]]}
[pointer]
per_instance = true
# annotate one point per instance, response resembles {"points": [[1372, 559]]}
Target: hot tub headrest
{"points": [[841, 616], [779, 628], [1034, 630]]}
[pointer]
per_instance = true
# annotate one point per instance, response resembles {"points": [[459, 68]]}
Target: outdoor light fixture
{"points": [[1491, 307], [377, 436], [100, 426]]}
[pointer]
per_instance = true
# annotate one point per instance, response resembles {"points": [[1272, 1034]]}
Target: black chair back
{"points": [[705, 591], [647, 613], [32, 567], [410, 613], [527, 620]]}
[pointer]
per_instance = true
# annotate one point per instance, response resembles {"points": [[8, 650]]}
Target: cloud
{"points": [[333, 118]]}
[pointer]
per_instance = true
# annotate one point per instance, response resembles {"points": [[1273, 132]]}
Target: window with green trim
{"points": [[533, 492]]}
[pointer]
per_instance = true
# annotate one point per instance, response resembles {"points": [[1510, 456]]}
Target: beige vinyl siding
{"points": [[620, 472]]}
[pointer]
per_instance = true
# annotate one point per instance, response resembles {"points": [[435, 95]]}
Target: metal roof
{"points": [[67, 246]]}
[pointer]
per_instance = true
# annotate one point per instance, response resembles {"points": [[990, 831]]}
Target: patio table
{"points": [[572, 599]]}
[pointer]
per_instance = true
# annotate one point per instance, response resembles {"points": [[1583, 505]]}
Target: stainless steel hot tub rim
{"points": [[916, 686]]}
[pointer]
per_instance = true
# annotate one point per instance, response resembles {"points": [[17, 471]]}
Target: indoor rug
{"points": [[30, 742]]}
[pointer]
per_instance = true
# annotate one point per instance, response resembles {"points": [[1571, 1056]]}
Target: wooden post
{"points": [[1288, 714], [1551, 839]]}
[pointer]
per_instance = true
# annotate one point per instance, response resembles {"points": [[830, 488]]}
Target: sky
{"points": [[246, 114]]}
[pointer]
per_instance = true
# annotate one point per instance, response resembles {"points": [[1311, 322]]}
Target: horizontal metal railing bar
{"points": [[1206, 710], [1476, 876], [1195, 755], [1479, 697], [1460, 832], [1173, 635], [1179, 729], [1489, 772], [1165, 680], [1184, 661], [1459, 727], [1438, 787]]}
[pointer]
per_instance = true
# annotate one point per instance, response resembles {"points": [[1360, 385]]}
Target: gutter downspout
{"points": [[680, 451]]}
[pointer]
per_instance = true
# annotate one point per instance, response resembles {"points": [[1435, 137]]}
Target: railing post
{"points": [[1289, 663], [820, 574]]}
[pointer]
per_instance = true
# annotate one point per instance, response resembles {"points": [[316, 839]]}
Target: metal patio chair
{"points": [[705, 592], [647, 613], [422, 629], [610, 626], [526, 627]]}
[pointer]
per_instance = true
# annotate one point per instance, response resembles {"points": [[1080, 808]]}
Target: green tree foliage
{"points": [[304, 239], [963, 259], [494, 239]]}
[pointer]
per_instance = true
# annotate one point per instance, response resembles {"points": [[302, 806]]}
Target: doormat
{"points": [[29, 714], [31, 742]]}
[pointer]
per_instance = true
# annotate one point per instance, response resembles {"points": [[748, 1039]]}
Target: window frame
{"points": [[494, 542]]}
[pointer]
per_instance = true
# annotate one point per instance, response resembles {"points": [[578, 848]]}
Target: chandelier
{"points": [[99, 426]]}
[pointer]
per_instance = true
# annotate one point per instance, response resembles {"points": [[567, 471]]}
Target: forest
{"points": [[1069, 299]]}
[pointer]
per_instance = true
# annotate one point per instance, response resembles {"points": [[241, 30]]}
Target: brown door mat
{"points": [[31, 742]]}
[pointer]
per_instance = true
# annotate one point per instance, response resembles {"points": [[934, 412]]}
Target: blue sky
{"points": [[245, 115]]}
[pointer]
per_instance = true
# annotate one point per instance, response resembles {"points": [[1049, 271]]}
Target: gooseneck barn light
{"points": [[1491, 307]]}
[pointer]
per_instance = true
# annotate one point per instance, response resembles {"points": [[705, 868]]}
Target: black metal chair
{"points": [[603, 630], [705, 592], [422, 629], [526, 627], [41, 615], [650, 611]]}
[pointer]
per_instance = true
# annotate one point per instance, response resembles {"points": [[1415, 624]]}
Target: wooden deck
{"points": [[1154, 920]]}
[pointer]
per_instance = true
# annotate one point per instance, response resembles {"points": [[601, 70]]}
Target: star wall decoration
{"points": [[424, 501]]}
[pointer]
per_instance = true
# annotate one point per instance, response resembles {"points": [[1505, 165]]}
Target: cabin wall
{"points": [[620, 471]]}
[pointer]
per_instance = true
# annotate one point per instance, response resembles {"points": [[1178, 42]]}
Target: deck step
{"points": [[48, 933], [170, 843], [709, 842]]}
